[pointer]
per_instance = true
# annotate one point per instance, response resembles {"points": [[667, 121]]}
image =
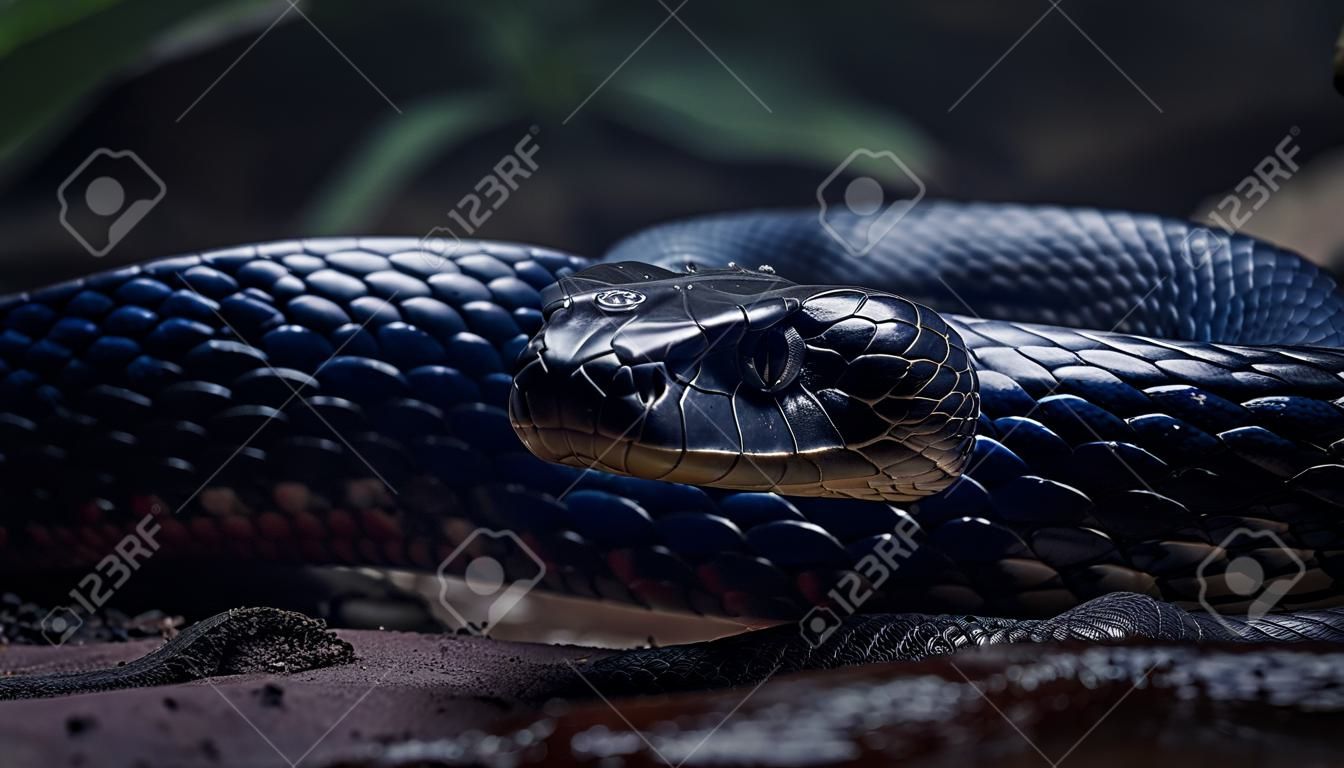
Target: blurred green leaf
{"points": [[396, 152], [535, 60], [706, 111], [25, 20], [85, 43], [550, 55]]}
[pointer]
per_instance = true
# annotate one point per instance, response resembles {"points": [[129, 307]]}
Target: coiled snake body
{"points": [[347, 401]]}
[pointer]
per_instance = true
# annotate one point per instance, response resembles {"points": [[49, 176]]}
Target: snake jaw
{"points": [[744, 380]]}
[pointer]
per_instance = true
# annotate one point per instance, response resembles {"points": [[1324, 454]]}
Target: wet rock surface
{"points": [[1014, 705], [400, 687], [416, 699]]}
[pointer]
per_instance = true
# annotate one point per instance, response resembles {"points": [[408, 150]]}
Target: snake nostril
{"points": [[650, 380], [647, 381], [622, 382]]}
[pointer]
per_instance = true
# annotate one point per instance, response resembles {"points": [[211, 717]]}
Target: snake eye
{"points": [[772, 360]]}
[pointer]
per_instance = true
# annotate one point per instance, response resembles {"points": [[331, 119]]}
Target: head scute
{"points": [[738, 378]]}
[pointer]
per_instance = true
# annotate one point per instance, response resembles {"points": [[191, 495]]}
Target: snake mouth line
{"points": [[791, 473], [623, 454]]}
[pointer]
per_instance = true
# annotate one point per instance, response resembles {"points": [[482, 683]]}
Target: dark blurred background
{"points": [[265, 120]]}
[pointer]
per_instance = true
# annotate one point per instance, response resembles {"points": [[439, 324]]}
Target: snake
{"points": [[1081, 424]]}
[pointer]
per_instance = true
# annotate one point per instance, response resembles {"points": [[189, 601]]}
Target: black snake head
{"points": [[741, 379]]}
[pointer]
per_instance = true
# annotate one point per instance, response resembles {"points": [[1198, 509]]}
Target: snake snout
{"points": [[647, 382], [574, 405]]}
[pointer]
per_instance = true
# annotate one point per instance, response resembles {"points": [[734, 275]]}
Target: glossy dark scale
{"points": [[121, 395], [1161, 473], [125, 392]]}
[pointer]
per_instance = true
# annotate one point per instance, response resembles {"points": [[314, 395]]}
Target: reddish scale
{"points": [[343, 550], [40, 535], [737, 603], [813, 585], [237, 527], [65, 536], [342, 524], [203, 530], [456, 530], [313, 551], [92, 511], [709, 578], [622, 563], [309, 526], [378, 524], [143, 505], [418, 551], [292, 498], [273, 526], [172, 533]]}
